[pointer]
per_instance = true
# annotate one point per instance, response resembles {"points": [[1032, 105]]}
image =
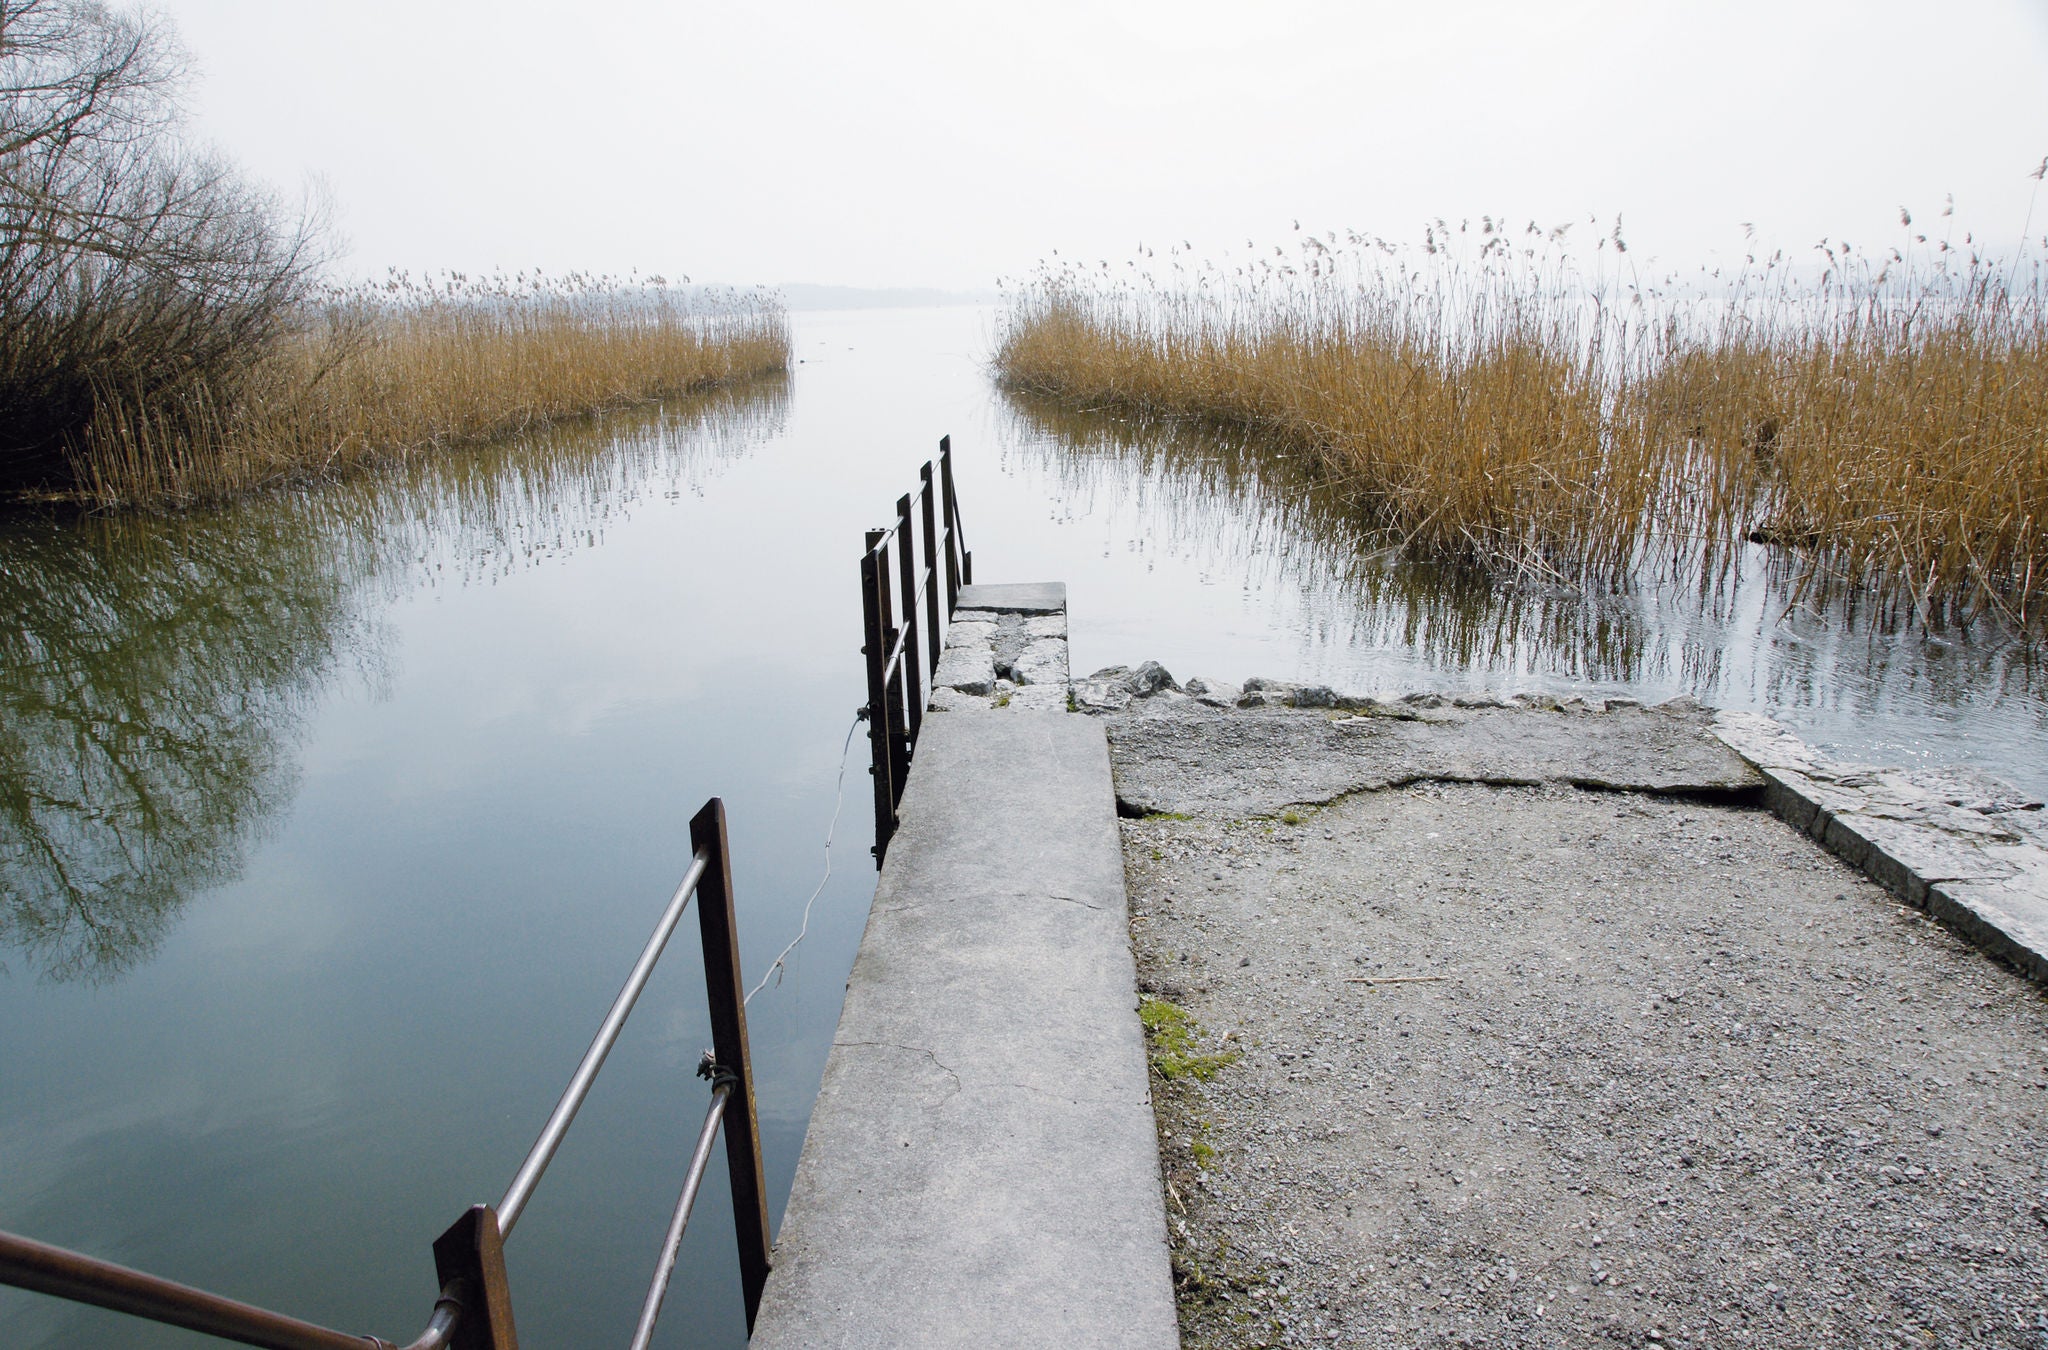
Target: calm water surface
{"points": [[331, 821]]}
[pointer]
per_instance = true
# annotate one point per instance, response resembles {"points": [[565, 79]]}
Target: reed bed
{"points": [[1497, 400], [379, 374]]}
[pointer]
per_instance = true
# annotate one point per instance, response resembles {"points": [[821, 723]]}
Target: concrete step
{"points": [[981, 1167]]}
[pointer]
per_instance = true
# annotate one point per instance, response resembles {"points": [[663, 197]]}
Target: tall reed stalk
{"points": [[1496, 403], [385, 373]]}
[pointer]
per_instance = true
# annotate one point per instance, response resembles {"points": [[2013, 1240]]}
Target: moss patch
{"points": [[1175, 1041]]}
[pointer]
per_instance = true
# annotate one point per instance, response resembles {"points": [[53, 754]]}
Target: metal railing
{"points": [[898, 576], [474, 1310]]}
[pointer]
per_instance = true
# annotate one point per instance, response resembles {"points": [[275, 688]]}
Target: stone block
{"points": [[1044, 662], [2007, 918], [1046, 625], [1953, 841], [1039, 698], [969, 667], [1213, 693]]}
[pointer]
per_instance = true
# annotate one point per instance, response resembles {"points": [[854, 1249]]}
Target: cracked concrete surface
{"points": [[1191, 758], [1968, 849]]}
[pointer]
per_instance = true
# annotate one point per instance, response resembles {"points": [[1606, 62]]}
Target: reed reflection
{"points": [[1752, 631], [156, 673], [1251, 512]]}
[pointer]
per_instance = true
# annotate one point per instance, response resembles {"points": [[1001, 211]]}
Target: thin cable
{"points": [[774, 970]]}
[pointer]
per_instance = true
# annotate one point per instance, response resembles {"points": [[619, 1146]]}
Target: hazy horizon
{"points": [[913, 145]]}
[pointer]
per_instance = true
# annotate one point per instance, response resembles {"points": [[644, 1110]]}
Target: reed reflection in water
{"points": [[1368, 617], [154, 671]]}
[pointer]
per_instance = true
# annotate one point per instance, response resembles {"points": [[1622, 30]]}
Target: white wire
{"points": [[774, 970]]}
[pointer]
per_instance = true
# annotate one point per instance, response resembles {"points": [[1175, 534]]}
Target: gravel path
{"points": [[1641, 1071]]}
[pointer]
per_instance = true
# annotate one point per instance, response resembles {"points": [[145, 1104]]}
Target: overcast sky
{"points": [[949, 143]]}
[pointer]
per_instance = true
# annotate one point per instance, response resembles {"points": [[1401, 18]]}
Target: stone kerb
{"points": [[1965, 847]]}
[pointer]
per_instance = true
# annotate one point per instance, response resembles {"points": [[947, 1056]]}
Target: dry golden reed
{"points": [[1491, 401], [384, 373]]}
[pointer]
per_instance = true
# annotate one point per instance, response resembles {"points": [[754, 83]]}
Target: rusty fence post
{"points": [[913, 664], [874, 646], [729, 1051], [956, 545], [934, 644], [469, 1258]]}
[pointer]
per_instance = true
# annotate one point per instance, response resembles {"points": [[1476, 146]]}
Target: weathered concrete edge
{"points": [[1983, 877], [997, 1183], [1015, 597]]}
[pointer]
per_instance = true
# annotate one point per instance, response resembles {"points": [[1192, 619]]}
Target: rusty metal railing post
{"points": [[895, 735], [730, 1054], [875, 647], [959, 562], [899, 733], [913, 667], [474, 1310], [470, 1260], [934, 644]]}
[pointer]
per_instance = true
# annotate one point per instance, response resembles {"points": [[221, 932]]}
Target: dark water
{"points": [[329, 823]]}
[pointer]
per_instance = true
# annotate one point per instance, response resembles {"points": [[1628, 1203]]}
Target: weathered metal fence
{"points": [[474, 1311], [900, 575]]}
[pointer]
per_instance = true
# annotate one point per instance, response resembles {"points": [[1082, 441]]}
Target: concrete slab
{"points": [[981, 1167], [1188, 758], [1018, 597]]}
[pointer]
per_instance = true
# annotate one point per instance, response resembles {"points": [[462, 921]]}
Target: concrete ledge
{"points": [[982, 1168], [1017, 597], [1965, 847]]}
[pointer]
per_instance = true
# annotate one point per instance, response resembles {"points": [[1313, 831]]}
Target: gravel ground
{"points": [[1642, 1071]]}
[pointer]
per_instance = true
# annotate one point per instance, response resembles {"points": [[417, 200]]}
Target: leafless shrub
{"points": [[138, 278]]}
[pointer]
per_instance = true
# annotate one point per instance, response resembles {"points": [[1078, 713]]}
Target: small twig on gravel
{"points": [[1393, 979], [1178, 1203]]}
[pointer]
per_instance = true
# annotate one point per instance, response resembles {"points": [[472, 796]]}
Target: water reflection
{"points": [[154, 673], [1369, 617]]}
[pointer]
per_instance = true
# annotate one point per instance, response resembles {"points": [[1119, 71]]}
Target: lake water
{"points": [[332, 820]]}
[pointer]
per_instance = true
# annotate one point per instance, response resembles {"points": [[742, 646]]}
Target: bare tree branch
{"points": [[131, 268]]}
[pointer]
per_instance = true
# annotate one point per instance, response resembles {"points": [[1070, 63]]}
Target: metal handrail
{"points": [[905, 634], [474, 1310], [551, 1134], [665, 1266], [45, 1269], [901, 657]]}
